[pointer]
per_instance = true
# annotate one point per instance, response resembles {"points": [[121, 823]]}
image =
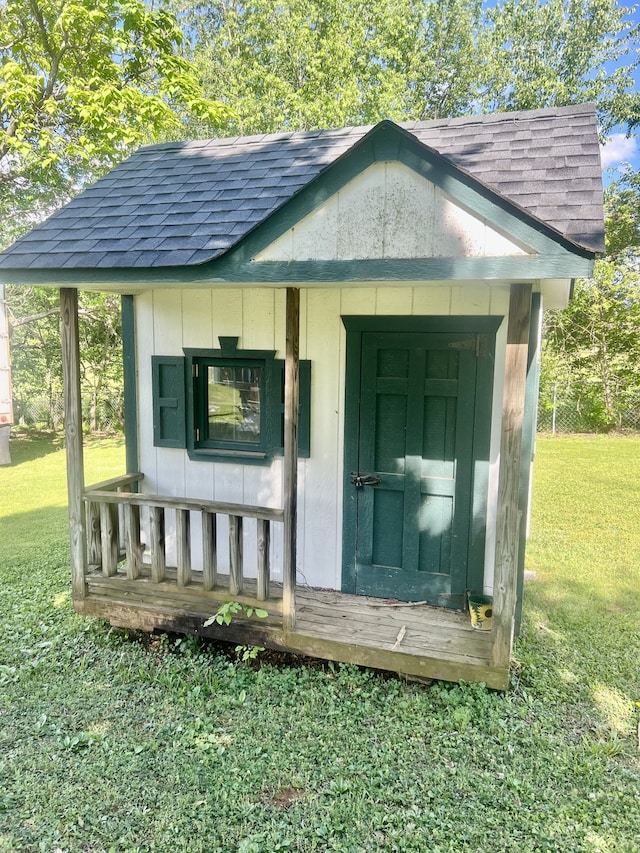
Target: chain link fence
{"points": [[566, 409], [577, 409], [99, 415]]}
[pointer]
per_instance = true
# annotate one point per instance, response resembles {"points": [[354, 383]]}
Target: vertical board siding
{"points": [[197, 331], [168, 321], [398, 300], [170, 476], [318, 487], [389, 211], [499, 307], [472, 298]]}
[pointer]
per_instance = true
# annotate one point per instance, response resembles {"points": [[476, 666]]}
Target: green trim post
{"points": [[130, 384]]}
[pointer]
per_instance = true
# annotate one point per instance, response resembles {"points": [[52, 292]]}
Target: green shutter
{"points": [[169, 427], [304, 410]]}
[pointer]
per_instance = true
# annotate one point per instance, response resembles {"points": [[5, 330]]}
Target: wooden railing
{"points": [[114, 539]]}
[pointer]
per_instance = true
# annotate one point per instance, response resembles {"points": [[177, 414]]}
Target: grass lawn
{"points": [[112, 742]]}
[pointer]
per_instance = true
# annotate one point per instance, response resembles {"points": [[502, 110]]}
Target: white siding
{"points": [[168, 321], [389, 211]]}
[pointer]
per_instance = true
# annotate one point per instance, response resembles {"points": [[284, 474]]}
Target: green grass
{"points": [[112, 742]]}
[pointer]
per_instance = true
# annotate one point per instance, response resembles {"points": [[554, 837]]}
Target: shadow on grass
{"points": [[26, 446]]}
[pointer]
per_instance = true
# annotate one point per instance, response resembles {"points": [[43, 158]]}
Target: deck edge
{"points": [[151, 617]]}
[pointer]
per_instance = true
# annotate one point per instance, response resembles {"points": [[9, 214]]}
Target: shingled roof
{"points": [[187, 203]]}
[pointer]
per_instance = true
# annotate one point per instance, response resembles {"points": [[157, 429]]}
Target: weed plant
{"points": [[111, 741]]}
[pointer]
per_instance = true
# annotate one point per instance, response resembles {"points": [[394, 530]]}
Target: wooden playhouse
{"points": [[331, 343]]}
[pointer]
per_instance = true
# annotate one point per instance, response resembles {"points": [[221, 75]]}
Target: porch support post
{"points": [[509, 515], [73, 437], [291, 396]]}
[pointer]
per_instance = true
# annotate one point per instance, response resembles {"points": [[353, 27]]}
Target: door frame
{"points": [[464, 324]]}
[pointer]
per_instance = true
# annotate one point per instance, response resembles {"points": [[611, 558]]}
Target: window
{"points": [[233, 402], [226, 403], [229, 396]]}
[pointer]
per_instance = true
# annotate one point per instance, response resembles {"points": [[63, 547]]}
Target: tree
{"points": [[311, 63], [81, 85], [37, 363], [330, 63], [300, 65], [596, 340], [622, 208], [592, 348], [561, 52], [323, 63], [34, 329], [82, 82]]}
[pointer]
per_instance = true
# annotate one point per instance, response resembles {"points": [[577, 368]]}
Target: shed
{"points": [[331, 347]]}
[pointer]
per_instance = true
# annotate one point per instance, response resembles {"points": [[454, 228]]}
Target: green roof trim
{"points": [[518, 267]]}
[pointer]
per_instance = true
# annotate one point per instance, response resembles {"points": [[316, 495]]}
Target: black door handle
{"points": [[361, 480]]}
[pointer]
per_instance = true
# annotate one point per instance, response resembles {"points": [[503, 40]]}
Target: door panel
{"points": [[415, 432]]}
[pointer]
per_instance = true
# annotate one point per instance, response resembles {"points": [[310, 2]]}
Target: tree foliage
{"points": [[622, 208], [592, 348], [562, 52], [34, 327], [323, 63], [81, 84]]}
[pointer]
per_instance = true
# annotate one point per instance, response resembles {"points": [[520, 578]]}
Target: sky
{"points": [[620, 149]]}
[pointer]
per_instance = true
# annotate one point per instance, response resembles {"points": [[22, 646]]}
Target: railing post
{"points": [[107, 502], [264, 538], [110, 538], [94, 541], [291, 396], [209, 550], [132, 546], [158, 555], [183, 546], [73, 438], [235, 554]]}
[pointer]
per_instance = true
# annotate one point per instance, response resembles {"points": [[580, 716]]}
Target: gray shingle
{"points": [[120, 259], [183, 203]]}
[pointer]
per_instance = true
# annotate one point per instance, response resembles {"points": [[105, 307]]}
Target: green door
{"points": [[417, 491]]}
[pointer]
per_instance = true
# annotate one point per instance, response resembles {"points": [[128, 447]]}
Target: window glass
{"points": [[233, 403]]}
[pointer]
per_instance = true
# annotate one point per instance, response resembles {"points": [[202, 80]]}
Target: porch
{"points": [[130, 582]]}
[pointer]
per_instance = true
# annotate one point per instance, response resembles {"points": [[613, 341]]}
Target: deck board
{"points": [[416, 640]]}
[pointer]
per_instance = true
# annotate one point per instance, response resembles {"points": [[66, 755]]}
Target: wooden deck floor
{"points": [[416, 640]]}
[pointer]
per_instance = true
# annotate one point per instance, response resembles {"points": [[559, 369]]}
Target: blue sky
{"points": [[621, 149]]}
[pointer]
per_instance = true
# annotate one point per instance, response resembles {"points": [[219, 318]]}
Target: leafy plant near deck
{"points": [[111, 741], [225, 614]]}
